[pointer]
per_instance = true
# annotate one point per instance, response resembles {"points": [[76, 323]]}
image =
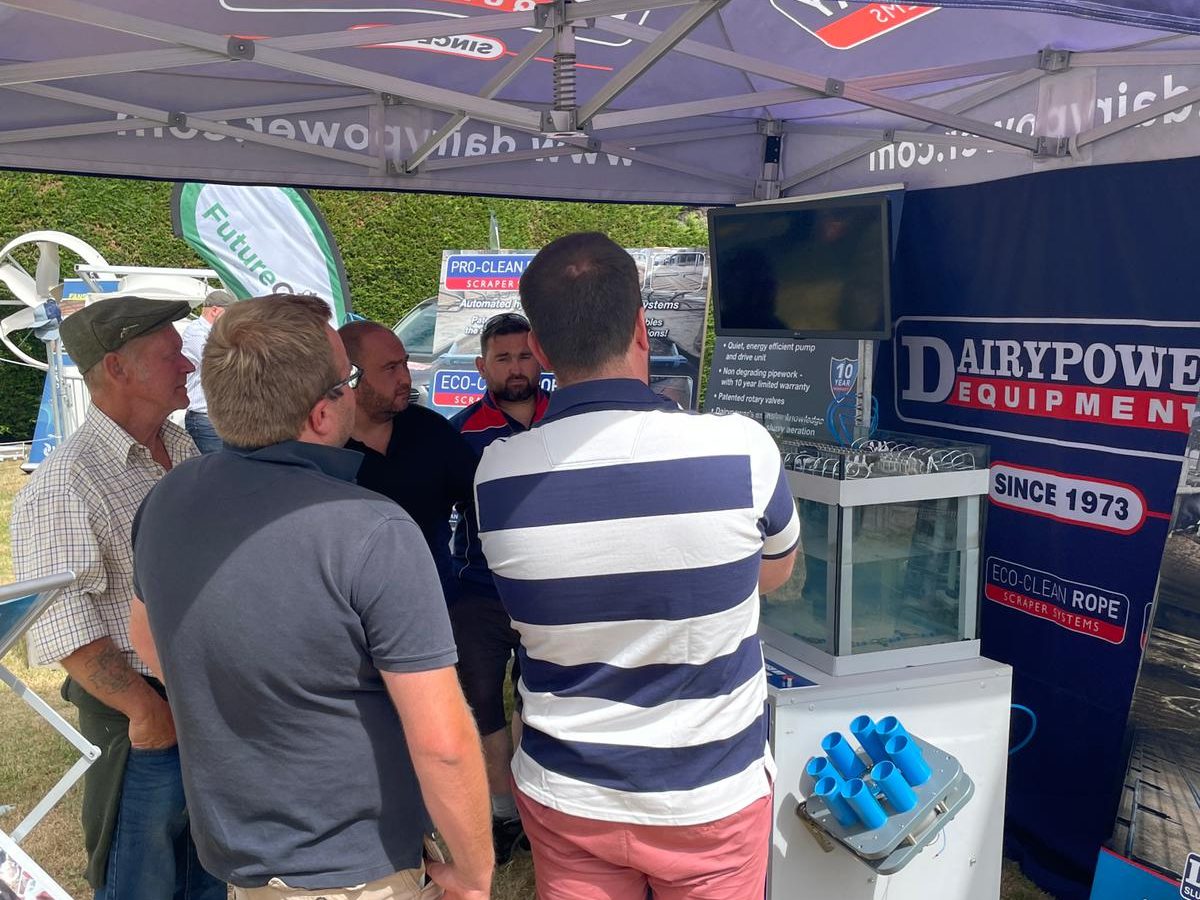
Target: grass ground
{"points": [[33, 756]]}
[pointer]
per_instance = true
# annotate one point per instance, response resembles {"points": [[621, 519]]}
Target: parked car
{"points": [[681, 270], [416, 331], [444, 377]]}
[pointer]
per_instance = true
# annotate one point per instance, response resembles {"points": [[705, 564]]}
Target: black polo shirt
{"points": [[428, 468], [277, 590]]}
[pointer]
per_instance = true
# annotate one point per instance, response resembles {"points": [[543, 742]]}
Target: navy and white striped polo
{"points": [[625, 539]]}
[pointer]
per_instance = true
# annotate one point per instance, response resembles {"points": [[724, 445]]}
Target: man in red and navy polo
{"points": [[484, 634]]}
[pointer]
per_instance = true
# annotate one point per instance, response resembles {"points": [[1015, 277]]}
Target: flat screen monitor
{"points": [[810, 269]]}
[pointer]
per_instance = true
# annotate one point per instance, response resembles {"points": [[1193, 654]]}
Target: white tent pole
{"points": [[830, 86], [715, 105], [76, 11], [579, 12], [582, 145], [625, 151], [105, 64], [1001, 87], [947, 73], [158, 60], [660, 46], [388, 34], [155, 60], [1162, 58], [279, 52], [107, 126], [493, 87], [53, 132], [179, 120], [688, 109], [686, 137], [460, 23], [935, 117], [421, 94], [891, 136], [1135, 117]]}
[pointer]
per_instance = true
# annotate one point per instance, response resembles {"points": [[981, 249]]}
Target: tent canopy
{"points": [[688, 101]]}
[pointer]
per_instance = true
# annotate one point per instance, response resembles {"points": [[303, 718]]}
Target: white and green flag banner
{"points": [[263, 240]]}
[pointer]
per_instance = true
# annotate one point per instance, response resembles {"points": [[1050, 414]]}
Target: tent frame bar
{"points": [[572, 145], [595, 124], [829, 86], [993, 91], [124, 123], [655, 50], [1135, 118], [493, 87], [421, 94], [161, 118]]}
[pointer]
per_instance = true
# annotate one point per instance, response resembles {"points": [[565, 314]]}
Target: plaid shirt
{"points": [[75, 513]]}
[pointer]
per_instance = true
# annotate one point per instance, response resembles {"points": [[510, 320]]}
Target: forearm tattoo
{"points": [[109, 671]]}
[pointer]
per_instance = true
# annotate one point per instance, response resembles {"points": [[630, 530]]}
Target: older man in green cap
{"points": [[75, 513]]}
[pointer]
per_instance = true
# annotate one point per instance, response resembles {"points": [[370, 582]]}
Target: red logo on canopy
{"points": [[836, 25], [501, 5]]}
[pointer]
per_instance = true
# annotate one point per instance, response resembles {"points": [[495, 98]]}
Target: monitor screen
{"points": [[817, 269]]}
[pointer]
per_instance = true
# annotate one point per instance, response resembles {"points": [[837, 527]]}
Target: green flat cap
{"points": [[219, 297], [108, 325]]}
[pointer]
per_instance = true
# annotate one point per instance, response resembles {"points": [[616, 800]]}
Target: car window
{"points": [[416, 329]]}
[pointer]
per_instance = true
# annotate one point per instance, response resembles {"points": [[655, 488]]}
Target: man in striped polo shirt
{"points": [[629, 541]]}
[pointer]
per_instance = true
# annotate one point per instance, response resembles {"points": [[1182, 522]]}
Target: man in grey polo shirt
{"points": [[298, 623]]}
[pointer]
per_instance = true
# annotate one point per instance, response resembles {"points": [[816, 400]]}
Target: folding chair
{"points": [[20, 605]]}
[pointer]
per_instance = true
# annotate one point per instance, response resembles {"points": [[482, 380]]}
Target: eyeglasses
{"points": [[350, 381], [506, 318]]}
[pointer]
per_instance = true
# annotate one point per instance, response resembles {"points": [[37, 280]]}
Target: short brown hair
{"points": [[265, 365], [582, 295], [500, 325]]}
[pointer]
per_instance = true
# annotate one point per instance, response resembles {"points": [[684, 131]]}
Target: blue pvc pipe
{"points": [[909, 760], [864, 804], [842, 755], [897, 791], [888, 728], [866, 733], [820, 767], [831, 792]]}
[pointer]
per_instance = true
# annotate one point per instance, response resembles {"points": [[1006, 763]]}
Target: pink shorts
{"points": [[586, 859]]}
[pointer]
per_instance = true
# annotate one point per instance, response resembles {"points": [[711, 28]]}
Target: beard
{"points": [[516, 391], [378, 405]]}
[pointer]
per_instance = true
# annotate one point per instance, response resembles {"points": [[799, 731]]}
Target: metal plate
{"points": [[891, 846]]}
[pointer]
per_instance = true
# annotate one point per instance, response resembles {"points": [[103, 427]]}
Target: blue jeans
{"points": [[152, 856], [202, 432]]}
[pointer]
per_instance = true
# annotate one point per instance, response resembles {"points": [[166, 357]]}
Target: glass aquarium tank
{"points": [[888, 572]]}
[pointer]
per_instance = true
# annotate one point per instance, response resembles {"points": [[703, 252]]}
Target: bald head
{"points": [[383, 390], [354, 334]]}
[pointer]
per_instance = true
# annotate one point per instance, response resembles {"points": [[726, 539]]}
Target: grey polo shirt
{"points": [[277, 590]]}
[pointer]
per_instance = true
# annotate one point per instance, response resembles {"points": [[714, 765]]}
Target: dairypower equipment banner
{"points": [[263, 240], [1053, 317]]}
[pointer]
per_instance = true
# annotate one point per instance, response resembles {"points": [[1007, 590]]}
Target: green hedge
{"points": [[391, 243]]}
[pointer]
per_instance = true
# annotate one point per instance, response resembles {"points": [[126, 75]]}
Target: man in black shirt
{"points": [[411, 454]]}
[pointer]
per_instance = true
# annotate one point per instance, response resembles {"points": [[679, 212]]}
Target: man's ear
{"points": [[116, 368], [319, 417], [479, 364], [641, 336], [535, 347]]}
